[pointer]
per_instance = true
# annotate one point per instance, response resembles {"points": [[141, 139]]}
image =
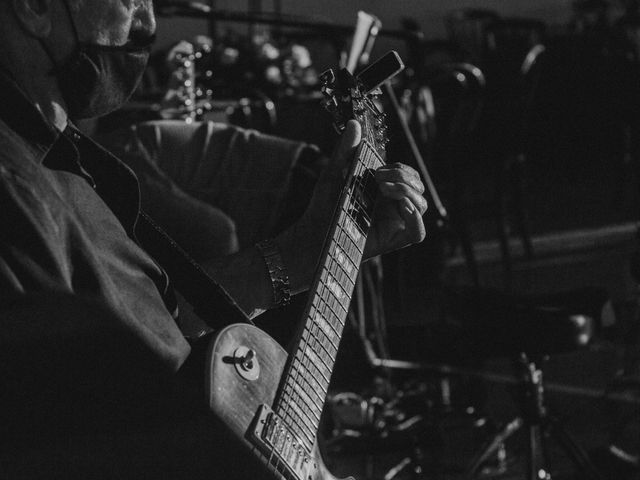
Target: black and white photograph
{"points": [[340, 239]]}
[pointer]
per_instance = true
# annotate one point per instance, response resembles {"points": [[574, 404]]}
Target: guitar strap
{"points": [[208, 298]]}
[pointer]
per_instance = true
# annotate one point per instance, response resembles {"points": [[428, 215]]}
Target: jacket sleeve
{"points": [[223, 178], [61, 352]]}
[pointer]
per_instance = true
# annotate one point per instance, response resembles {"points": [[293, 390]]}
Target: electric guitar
{"points": [[269, 399]]}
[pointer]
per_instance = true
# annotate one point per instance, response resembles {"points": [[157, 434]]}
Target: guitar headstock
{"points": [[348, 97]]}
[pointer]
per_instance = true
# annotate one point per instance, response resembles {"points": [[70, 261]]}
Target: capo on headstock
{"points": [[343, 85]]}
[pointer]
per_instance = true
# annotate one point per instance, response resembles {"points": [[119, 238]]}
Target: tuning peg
{"points": [[330, 104], [327, 91], [328, 78]]}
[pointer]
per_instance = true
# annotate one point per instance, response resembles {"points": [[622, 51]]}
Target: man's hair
{"points": [[74, 5]]}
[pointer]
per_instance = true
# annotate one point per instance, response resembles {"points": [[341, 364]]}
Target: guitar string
{"points": [[297, 364], [314, 336], [322, 290], [307, 336], [364, 167], [310, 334]]}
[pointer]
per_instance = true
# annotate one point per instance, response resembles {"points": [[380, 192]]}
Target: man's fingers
{"points": [[414, 226], [398, 172], [331, 180], [349, 140], [401, 192]]}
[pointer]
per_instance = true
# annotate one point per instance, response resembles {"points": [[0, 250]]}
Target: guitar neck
{"points": [[271, 399], [304, 387]]}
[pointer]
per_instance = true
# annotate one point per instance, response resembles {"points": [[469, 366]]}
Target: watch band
{"points": [[277, 272]]}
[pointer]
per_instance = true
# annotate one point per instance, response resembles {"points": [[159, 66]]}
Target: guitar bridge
{"points": [[284, 451]]}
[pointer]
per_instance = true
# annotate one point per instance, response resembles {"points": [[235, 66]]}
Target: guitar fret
{"points": [[320, 341], [373, 153], [339, 267], [303, 426], [325, 325], [296, 422], [341, 257], [335, 288], [347, 243], [361, 198], [328, 322], [320, 379], [311, 366], [350, 227], [307, 364], [319, 389], [316, 394], [370, 157], [293, 393], [357, 210], [306, 398], [339, 274], [325, 316], [369, 193], [343, 240], [301, 408], [342, 296], [327, 330], [309, 378], [317, 348], [314, 360], [361, 209], [329, 305], [297, 414], [311, 390], [325, 343]]}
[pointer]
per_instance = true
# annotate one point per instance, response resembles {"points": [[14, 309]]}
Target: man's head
{"points": [[94, 50], [113, 22], [104, 22]]}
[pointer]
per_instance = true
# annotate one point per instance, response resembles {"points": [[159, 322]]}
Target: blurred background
{"points": [[524, 119]]}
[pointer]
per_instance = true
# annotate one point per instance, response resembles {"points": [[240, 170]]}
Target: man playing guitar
{"points": [[88, 331]]}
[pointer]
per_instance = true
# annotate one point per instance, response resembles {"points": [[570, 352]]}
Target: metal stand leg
{"points": [[577, 455], [539, 425], [394, 471], [493, 446], [415, 464], [502, 224], [536, 462]]}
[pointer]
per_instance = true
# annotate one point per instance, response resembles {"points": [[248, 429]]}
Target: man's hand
{"points": [[397, 223], [397, 220]]}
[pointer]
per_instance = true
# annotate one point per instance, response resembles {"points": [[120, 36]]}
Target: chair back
{"points": [[513, 69], [467, 29]]}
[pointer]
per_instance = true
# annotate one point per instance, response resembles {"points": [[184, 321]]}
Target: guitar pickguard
{"points": [[240, 402]]}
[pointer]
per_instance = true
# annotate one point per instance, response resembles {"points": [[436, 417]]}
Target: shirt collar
{"points": [[71, 151], [21, 115]]}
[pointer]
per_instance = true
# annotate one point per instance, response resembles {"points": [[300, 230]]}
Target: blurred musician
{"points": [[88, 337]]}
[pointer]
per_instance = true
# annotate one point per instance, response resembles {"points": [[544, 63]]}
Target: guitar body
{"points": [[271, 400], [236, 393]]}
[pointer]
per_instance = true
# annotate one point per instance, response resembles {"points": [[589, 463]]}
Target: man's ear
{"points": [[34, 16]]}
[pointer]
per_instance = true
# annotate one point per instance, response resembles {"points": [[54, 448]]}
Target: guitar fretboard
{"points": [[305, 384]]}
